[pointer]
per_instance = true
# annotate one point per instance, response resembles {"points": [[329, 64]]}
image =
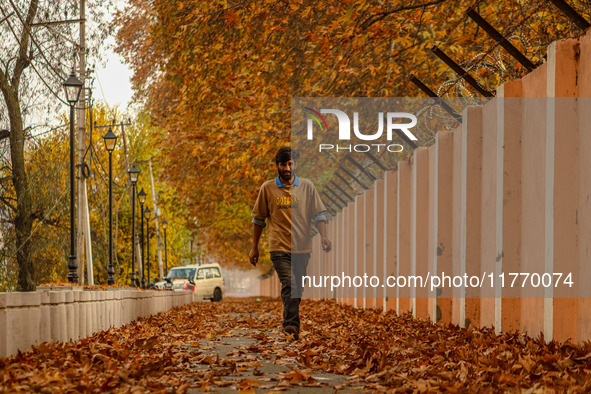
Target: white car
{"points": [[205, 280]]}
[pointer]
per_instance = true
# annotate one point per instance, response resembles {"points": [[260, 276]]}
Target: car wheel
{"points": [[217, 295]]}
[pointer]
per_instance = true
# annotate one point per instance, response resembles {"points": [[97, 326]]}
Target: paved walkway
{"points": [[258, 360], [237, 345]]}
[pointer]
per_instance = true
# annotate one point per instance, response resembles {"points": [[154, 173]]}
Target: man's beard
{"points": [[285, 176]]}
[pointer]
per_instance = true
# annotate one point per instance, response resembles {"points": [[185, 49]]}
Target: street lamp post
{"points": [[110, 142], [164, 225], [133, 176], [147, 215], [142, 198], [72, 87]]}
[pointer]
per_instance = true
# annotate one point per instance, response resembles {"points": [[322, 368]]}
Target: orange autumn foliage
{"points": [[217, 79]]}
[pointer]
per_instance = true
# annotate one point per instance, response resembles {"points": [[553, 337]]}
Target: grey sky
{"points": [[112, 83], [113, 80]]}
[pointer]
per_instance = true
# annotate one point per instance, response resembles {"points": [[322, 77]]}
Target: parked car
{"points": [[205, 280], [177, 278]]}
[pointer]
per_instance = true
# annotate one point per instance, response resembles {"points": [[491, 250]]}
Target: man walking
{"points": [[291, 204]]}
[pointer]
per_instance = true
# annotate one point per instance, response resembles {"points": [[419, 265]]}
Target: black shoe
{"points": [[293, 331]]}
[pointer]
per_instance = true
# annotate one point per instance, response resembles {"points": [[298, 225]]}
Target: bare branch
{"points": [[23, 60], [5, 201], [48, 221], [382, 15]]}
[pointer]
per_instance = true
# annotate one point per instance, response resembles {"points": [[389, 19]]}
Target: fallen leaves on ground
{"points": [[172, 352]]}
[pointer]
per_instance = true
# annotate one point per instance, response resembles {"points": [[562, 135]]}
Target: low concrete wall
{"points": [[28, 319]]}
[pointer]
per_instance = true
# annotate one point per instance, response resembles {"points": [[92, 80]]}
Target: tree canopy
{"points": [[217, 78]]}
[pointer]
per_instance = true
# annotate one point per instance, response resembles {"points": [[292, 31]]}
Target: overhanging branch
{"points": [[5, 201], [382, 15]]}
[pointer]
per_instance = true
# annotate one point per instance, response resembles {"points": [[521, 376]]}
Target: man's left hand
{"points": [[326, 245]]}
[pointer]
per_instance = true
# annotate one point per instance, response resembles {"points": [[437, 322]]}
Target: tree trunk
{"points": [[23, 220]]}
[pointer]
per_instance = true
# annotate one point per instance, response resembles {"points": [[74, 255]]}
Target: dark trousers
{"points": [[290, 269]]}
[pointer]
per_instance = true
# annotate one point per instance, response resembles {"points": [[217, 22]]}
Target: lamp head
{"points": [[142, 196], [134, 173], [72, 87], [110, 140]]}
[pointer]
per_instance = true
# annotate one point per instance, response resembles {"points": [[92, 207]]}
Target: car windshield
{"points": [[178, 273]]}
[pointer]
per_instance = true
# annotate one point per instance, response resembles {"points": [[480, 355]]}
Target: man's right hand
{"points": [[254, 256]]}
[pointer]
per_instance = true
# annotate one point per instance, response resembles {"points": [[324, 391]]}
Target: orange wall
{"points": [[507, 191]]}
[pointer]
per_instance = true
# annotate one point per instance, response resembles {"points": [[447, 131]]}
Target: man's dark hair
{"points": [[286, 154]]}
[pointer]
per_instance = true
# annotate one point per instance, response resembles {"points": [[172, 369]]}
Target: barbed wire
{"points": [[494, 60]]}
